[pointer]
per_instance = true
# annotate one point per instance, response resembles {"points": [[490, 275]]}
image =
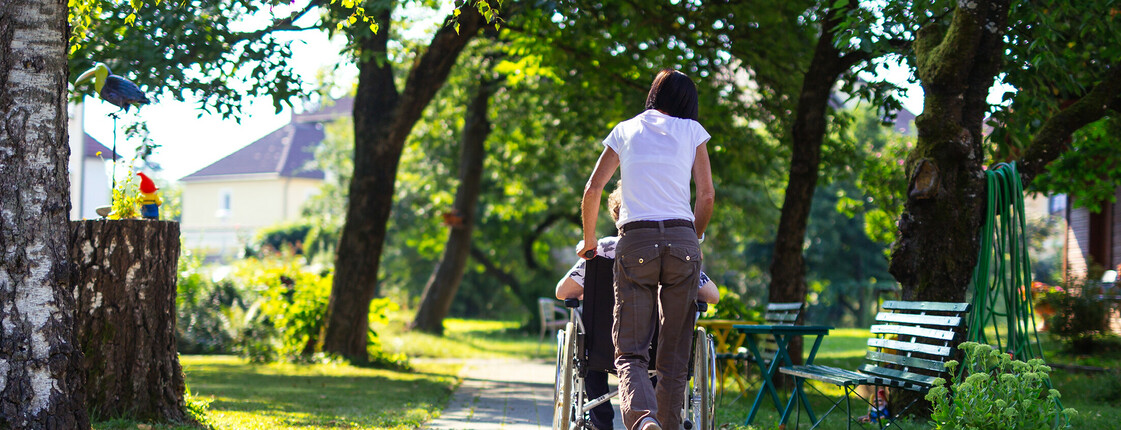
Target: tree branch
{"points": [[527, 245], [283, 24], [500, 275], [1054, 137], [431, 69]]}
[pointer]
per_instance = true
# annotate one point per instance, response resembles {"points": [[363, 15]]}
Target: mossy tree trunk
{"points": [[40, 379], [939, 230], [442, 286], [124, 281], [934, 254]]}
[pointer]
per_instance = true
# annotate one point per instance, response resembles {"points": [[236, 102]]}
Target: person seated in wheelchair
{"points": [[572, 286]]}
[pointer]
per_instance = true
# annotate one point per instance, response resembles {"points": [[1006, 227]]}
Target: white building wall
{"points": [[95, 187], [253, 203]]}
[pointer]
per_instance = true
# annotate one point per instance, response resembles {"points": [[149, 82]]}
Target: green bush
{"points": [[993, 391], [732, 307], [209, 315], [276, 238], [1079, 317], [293, 300]]}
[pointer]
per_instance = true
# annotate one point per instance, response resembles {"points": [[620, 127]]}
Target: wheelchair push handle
{"points": [[571, 303], [702, 307], [590, 254]]}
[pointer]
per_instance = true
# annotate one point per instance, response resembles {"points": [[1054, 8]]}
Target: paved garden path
{"points": [[504, 394]]}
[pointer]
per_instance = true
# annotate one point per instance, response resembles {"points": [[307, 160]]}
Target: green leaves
{"points": [[992, 390]]}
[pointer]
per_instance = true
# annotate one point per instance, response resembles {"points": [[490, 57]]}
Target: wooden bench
{"points": [[737, 362], [910, 345]]}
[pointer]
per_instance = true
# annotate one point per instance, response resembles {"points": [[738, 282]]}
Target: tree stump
{"points": [[124, 280]]}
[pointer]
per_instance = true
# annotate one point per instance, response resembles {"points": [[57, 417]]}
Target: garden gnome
{"points": [[149, 201], [878, 409]]}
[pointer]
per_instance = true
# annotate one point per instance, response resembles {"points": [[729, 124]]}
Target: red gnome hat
{"points": [[146, 184]]}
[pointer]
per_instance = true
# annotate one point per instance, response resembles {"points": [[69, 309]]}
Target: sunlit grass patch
{"points": [[318, 396], [464, 339]]}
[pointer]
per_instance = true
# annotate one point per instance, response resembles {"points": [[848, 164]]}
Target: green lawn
{"points": [[317, 396], [322, 396], [464, 339]]}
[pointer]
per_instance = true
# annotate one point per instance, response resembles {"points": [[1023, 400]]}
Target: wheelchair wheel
{"points": [[700, 392], [562, 394]]}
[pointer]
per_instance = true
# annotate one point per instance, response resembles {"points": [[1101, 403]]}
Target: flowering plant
{"points": [[1044, 296], [991, 390]]}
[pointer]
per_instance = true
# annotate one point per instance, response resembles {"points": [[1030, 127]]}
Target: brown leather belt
{"points": [[654, 224]]}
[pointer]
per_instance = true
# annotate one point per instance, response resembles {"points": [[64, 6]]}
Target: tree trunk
{"points": [[383, 119], [41, 384], [445, 280], [124, 275], [939, 231], [788, 269], [936, 250]]}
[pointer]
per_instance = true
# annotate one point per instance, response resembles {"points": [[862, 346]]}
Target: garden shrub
{"points": [[1077, 315], [732, 307], [285, 323], [293, 300], [209, 315], [993, 391], [275, 238]]}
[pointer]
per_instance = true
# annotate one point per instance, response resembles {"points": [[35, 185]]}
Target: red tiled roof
{"points": [[285, 152]]}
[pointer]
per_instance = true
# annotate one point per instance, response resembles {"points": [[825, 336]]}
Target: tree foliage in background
{"points": [[958, 50]]}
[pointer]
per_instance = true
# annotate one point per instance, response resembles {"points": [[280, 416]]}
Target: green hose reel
{"points": [[1002, 306]]}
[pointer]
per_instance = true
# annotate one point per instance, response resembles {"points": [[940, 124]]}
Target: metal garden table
{"points": [[782, 335]]}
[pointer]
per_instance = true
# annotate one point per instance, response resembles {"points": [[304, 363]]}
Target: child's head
{"points": [[673, 93], [615, 202]]}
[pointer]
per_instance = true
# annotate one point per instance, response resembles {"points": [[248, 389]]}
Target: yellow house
{"points": [[260, 185]]}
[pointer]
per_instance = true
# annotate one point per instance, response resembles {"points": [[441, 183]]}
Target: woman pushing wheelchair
{"points": [[571, 286], [657, 257]]}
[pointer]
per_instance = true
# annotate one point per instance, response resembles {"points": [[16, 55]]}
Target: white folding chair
{"points": [[553, 317]]}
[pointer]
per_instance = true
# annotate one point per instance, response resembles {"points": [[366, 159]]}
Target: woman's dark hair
{"points": [[673, 93]]}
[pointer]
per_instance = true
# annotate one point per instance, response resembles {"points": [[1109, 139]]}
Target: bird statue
{"points": [[114, 89]]}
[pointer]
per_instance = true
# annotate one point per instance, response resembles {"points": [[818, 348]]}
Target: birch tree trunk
{"points": [[40, 375]]}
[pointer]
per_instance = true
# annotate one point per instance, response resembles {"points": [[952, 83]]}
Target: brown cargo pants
{"points": [[657, 271]]}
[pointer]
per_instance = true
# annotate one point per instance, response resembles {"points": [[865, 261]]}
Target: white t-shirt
{"points": [[606, 249], [656, 153]]}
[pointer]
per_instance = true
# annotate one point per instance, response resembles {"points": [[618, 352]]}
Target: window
{"points": [[1057, 203], [225, 202]]}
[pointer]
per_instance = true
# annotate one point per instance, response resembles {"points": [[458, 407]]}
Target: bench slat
{"points": [[918, 319], [909, 346], [828, 374], [945, 335], [914, 378], [921, 363], [784, 306], [926, 306], [783, 318]]}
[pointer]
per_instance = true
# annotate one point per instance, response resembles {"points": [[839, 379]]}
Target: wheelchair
{"points": [[585, 344]]}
